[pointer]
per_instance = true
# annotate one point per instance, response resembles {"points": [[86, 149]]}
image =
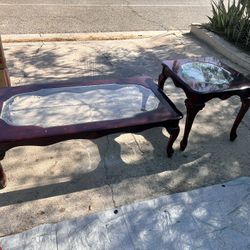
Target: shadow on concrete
{"points": [[113, 171], [203, 151]]}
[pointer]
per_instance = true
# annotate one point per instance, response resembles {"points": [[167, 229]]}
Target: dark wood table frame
{"points": [[196, 100], [166, 115]]}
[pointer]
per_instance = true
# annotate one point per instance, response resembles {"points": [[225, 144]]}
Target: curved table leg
{"points": [[192, 110], [2, 174], [162, 78], [174, 132], [245, 104]]}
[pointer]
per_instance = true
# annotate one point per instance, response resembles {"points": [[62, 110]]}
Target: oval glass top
{"points": [[75, 105], [202, 76]]}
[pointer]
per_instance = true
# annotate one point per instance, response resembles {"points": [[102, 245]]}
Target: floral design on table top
{"points": [[205, 77]]}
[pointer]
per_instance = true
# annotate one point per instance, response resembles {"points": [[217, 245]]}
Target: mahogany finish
{"points": [[165, 115], [230, 82]]}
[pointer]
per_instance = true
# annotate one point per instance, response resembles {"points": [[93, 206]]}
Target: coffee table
{"points": [[49, 113], [203, 79]]}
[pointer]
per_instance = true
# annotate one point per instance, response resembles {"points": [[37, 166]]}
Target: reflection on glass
{"points": [[75, 105], [203, 76]]}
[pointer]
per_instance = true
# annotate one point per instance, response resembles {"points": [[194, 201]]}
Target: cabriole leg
{"points": [[2, 174], [245, 104], [162, 78], [192, 110], [174, 132]]}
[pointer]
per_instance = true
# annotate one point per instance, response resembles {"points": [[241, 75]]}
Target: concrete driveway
{"points": [[80, 177]]}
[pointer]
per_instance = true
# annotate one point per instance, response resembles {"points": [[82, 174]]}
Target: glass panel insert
{"points": [[74, 105], [204, 77]]}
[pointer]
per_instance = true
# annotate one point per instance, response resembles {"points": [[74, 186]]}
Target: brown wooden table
{"points": [[203, 79], [49, 113]]}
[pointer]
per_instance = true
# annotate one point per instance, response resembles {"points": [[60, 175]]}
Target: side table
{"points": [[203, 79]]}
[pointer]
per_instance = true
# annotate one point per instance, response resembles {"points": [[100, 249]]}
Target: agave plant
{"points": [[225, 17], [232, 21], [247, 3]]}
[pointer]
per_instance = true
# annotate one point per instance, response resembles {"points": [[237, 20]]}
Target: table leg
{"points": [[162, 78], [192, 110], [2, 174], [174, 132], [245, 104]]}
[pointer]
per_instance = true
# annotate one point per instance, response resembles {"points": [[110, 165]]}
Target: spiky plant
{"points": [[232, 21]]}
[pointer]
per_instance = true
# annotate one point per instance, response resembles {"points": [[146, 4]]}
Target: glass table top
{"points": [[75, 105], [207, 74], [203, 76]]}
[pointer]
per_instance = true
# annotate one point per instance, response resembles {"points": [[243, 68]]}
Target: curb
{"points": [[65, 37], [220, 45]]}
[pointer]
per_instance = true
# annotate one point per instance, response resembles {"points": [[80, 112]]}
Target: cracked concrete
{"points": [[158, 24], [106, 172], [38, 50], [80, 177]]}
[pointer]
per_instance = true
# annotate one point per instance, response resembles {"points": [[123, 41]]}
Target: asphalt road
{"points": [[66, 16]]}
